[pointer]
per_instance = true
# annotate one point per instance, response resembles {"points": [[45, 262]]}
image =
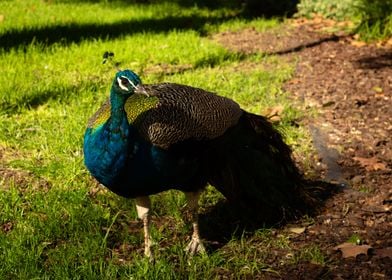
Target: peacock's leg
{"points": [[143, 205], [195, 245]]}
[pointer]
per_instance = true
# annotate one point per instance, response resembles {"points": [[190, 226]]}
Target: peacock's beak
{"points": [[141, 90]]}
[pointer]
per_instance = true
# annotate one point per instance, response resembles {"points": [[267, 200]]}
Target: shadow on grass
{"points": [[248, 8], [332, 38], [38, 98], [223, 221], [75, 33]]}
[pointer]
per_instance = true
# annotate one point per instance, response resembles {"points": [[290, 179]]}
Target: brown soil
{"points": [[350, 85]]}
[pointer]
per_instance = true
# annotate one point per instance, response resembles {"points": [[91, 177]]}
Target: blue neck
{"points": [[117, 113], [106, 148]]}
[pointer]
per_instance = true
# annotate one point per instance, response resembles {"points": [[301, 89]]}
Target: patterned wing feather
{"points": [[173, 113], [185, 112]]}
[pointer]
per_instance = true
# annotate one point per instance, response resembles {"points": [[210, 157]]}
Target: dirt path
{"points": [[350, 84]]}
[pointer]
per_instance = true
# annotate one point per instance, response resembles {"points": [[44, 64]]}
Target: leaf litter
{"points": [[350, 85]]}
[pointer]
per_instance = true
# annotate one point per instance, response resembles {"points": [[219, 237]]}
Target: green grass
{"points": [[375, 19], [355, 239], [53, 222]]}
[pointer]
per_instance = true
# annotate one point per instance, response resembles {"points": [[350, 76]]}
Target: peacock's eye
{"points": [[124, 81]]}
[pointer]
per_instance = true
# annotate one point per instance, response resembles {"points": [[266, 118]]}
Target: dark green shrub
{"points": [[335, 9], [375, 19]]}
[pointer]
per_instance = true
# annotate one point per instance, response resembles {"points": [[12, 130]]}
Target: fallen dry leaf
{"points": [[273, 113], [295, 81], [377, 209], [352, 250], [377, 89], [358, 44], [297, 230], [371, 164]]}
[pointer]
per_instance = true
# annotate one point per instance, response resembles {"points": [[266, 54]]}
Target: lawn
{"points": [[55, 222]]}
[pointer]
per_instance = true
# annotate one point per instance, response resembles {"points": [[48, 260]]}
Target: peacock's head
{"points": [[125, 82]]}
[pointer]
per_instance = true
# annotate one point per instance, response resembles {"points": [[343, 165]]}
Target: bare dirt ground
{"points": [[350, 84]]}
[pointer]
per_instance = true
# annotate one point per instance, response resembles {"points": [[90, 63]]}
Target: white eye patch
{"points": [[123, 83], [132, 84]]}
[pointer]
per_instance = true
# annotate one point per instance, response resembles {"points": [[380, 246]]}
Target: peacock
{"points": [[146, 139]]}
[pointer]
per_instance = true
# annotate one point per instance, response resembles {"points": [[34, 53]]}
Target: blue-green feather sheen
{"points": [[106, 146], [135, 105], [120, 159]]}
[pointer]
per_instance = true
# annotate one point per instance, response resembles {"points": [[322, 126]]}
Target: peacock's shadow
{"points": [[222, 222]]}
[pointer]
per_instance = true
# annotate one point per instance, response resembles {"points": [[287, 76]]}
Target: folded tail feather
{"points": [[255, 172]]}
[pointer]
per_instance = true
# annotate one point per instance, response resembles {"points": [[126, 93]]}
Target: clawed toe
{"points": [[195, 246]]}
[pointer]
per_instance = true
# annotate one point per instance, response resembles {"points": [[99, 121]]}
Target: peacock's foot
{"points": [[148, 252], [195, 246], [149, 245]]}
